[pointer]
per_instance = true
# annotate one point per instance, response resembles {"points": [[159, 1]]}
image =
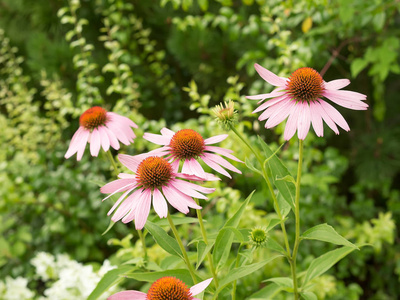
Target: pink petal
{"points": [[215, 139], [334, 115], [167, 132], [95, 142], [127, 206], [304, 121], [271, 102], [105, 141], [192, 167], [126, 176], [215, 166], [291, 124], [123, 119], [128, 295], [142, 209], [175, 166], [222, 151], [198, 288], [280, 114], [119, 201], [266, 96], [175, 200], [159, 204], [221, 161], [113, 139], [186, 190], [269, 77], [326, 117], [129, 161], [82, 144], [336, 84], [124, 188], [116, 185], [157, 139], [346, 100], [316, 120], [119, 134], [187, 199], [195, 186], [74, 144]]}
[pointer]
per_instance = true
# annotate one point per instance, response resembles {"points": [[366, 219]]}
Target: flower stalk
{"points": [[297, 218], [204, 234], [183, 250]]}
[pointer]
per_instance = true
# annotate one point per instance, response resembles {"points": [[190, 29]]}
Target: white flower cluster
{"points": [[65, 279], [15, 289]]}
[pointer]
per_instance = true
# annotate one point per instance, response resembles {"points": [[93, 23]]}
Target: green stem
{"points": [[236, 265], [204, 234], [297, 216], [141, 235], [266, 178], [185, 256], [111, 159]]}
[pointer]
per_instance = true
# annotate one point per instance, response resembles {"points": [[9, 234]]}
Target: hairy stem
{"points": [[297, 217], [204, 234], [184, 253], [111, 159]]}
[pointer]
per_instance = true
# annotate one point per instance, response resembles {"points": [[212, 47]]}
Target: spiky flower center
{"points": [[154, 172], [305, 84], [186, 144], [258, 236], [169, 288], [93, 118]]}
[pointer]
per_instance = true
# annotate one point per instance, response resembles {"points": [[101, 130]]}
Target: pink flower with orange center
{"points": [[189, 146], [154, 180], [299, 98], [165, 288], [100, 128]]}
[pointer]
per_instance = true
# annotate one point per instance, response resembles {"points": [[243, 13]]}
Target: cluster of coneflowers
{"points": [[173, 173]]}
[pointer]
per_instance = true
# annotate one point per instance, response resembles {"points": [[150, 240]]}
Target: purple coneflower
{"points": [[299, 98]]}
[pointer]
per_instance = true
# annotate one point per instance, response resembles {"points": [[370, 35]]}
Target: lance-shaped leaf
{"points": [[111, 278], [240, 272], [181, 274], [326, 233], [323, 263], [286, 188], [224, 239], [162, 238]]}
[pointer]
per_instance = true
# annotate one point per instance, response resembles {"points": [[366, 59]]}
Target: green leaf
{"points": [[284, 282], [278, 169], [177, 221], [309, 296], [323, 263], [203, 4], [357, 66], [109, 227], [267, 293], [162, 238], [240, 272], [202, 250], [224, 239], [111, 278], [287, 178], [181, 274], [274, 245], [250, 165], [326, 233]]}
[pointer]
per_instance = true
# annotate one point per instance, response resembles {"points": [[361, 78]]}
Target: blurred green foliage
{"points": [[169, 62]]}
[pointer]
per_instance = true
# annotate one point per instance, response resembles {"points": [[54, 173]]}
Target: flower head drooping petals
{"points": [[155, 182], [189, 146], [299, 98], [165, 288], [101, 129]]}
